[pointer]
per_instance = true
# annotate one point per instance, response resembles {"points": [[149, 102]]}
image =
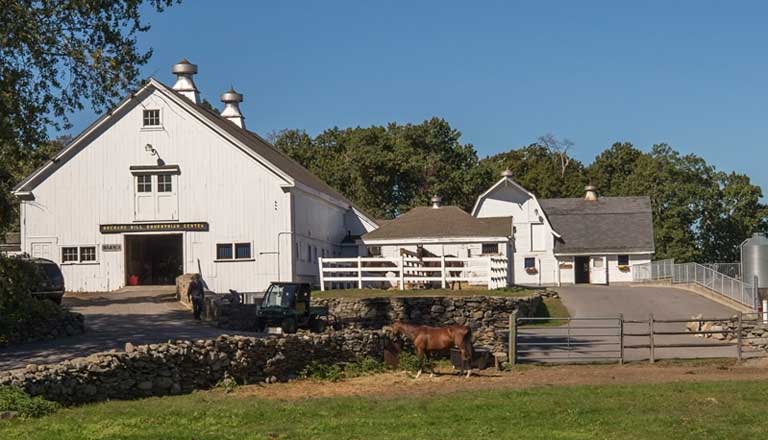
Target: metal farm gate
{"points": [[615, 339]]}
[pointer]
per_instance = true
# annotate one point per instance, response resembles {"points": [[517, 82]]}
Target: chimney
{"points": [[437, 202], [184, 71], [591, 193], [506, 173], [232, 100]]}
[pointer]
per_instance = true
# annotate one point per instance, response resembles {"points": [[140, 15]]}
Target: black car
{"points": [[52, 283]]}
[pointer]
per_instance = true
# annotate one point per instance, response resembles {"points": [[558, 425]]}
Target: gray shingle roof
{"points": [[443, 222], [608, 225]]}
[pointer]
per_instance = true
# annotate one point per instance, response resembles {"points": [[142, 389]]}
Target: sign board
{"points": [[153, 227], [111, 247]]}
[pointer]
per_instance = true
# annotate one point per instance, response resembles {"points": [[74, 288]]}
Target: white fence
{"points": [[713, 280], [384, 272]]}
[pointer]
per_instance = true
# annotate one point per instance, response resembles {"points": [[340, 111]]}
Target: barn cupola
{"points": [[591, 193], [232, 100], [184, 71], [437, 201], [506, 173]]}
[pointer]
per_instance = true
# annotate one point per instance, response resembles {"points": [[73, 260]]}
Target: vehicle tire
{"points": [[289, 325], [317, 325]]}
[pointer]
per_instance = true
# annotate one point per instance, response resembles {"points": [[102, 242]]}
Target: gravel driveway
{"points": [[138, 315], [634, 303]]}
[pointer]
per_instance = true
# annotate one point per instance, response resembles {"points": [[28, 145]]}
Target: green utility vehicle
{"points": [[286, 307]]}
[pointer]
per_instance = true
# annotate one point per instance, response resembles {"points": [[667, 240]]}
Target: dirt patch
{"points": [[398, 384]]}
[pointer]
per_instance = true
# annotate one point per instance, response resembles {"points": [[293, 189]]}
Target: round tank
{"points": [[754, 260]]}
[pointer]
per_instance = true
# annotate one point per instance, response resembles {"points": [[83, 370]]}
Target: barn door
{"points": [[599, 270]]}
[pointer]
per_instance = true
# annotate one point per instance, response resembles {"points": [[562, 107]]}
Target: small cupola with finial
{"points": [[590, 193], [232, 100], [437, 201], [184, 71]]}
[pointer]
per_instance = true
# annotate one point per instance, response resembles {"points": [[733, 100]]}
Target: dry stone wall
{"points": [[63, 323], [178, 367], [487, 316]]}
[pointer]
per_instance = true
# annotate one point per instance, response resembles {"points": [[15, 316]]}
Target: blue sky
{"points": [[689, 73]]}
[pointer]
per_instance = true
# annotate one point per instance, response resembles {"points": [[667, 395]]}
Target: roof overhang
{"points": [[601, 252], [433, 240]]}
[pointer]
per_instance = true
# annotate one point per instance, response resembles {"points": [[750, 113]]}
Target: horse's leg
{"points": [[420, 355], [431, 366]]}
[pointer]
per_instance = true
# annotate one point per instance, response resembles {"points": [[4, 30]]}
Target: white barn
{"points": [[161, 185], [546, 242]]}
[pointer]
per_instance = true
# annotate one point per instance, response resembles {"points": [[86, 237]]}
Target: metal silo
{"points": [[754, 260]]}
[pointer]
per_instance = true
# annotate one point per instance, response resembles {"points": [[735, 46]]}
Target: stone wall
{"points": [[753, 332], [64, 323], [182, 366], [488, 316]]}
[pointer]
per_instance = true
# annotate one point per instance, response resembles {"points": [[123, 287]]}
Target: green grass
{"points": [[713, 410], [551, 307], [515, 292]]}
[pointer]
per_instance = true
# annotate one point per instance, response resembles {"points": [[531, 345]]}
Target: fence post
{"points": [[490, 274], [442, 270], [739, 337], [402, 272], [651, 342], [621, 339], [322, 281], [359, 272], [513, 337]]}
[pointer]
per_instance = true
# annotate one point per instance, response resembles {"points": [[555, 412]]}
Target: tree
{"points": [[558, 147], [539, 170], [388, 170], [54, 57]]}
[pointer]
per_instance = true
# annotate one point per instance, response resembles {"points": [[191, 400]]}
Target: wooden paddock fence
{"points": [[615, 339]]}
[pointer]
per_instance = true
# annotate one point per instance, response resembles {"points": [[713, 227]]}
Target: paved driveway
{"points": [[634, 303], [137, 315]]}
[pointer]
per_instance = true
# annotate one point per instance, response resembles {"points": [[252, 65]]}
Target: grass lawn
{"points": [[552, 307], [515, 292], [711, 410]]}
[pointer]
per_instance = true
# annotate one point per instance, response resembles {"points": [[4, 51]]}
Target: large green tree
{"points": [[55, 57], [388, 170]]}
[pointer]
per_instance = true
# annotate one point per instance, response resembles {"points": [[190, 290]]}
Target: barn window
{"points": [[309, 253], [87, 253], [242, 251], [597, 262], [490, 248], [530, 262], [164, 183], [68, 254], [151, 118], [623, 260], [144, 183], [374, 251], [224, 251]]}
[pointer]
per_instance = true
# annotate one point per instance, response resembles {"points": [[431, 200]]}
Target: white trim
{"points": [[435, 240], [517, 185], [596, 254], [232, 244], [365, 217]]}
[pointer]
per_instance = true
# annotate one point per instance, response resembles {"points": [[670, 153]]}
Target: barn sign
{"points": [[154, 227], [111, 247]]}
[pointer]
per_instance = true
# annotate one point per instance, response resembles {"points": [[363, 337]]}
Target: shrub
{"points": [[14, 399], [320, 371], [362, 367], [409, 361], [336, 372], [17, 306]]}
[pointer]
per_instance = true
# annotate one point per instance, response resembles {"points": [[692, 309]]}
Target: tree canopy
{"points": [[699, 213], [55, 57]]}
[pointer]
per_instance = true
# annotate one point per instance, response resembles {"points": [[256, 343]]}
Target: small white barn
{"points": [[161, 185], [546, 242]]}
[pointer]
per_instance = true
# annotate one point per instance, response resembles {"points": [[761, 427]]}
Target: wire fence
{"points": [[720, 283]]}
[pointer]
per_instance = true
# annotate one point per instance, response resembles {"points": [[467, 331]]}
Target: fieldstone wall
{"points": [[65, 323], [179, 367], [487, 316], [753, 332]]}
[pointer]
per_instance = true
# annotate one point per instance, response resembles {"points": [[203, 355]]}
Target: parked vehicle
{"points": [[51, 285], [286, 307]]}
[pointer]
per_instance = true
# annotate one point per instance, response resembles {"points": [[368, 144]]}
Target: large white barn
{"points": [[161, 185]]}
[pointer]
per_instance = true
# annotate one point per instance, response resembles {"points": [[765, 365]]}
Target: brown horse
{"points": [[427, 340]]}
